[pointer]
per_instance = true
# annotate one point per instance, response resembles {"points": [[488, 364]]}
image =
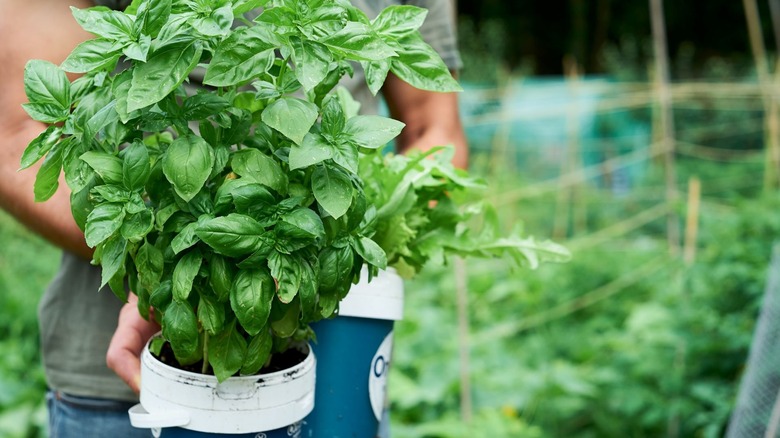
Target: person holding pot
{"points": [[92, 378]]}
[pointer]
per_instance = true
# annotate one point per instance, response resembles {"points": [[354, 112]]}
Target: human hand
{"points": [[124, 351]]}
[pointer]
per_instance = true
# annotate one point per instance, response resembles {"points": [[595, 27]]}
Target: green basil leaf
{"points": [[314, 149], [77, 172], [211, 315], [217, 23], [117, 284], [100, 119], [149, 262], [398, 21], [227, 352], [137, 226], [113, 258], [308, 291], [184, 274], [259, 258], [251, 198], [291, 116], [243, 6], [357, 41], [47, 179], [81, 204], [286, 270], [372, 132], [333, 118], [376, 74], [250, 298], [244, 55], [113, 25], [93, 55], [220, 277], [48, 90], [303, 223], [102, 222], [180, 328], [185, 239], [136, 166], [111, 193], [258, 352], [107, 166], [287, 325], [346, 155], [337, 266], [420, 66], [370, 251], [162, 296], [312, 61], [187, 165], [151, 16], [138, 50], [234, 235], [258, 167], [333, 190], [166, 68], [40, 146], [203, 105]]}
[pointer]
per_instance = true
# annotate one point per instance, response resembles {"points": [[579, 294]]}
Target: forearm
{"points": [[51, 219], [34, 29], [432, 119]]}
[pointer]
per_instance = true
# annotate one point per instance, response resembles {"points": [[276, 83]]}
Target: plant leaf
{"points": [[372, 132], [227, 352], [333, 190], [102, 222], [187, 165], [164, 71], [258, 167], [184, 273], [292, 117], [258, 352], [180, 328], [48, 90], [234, 235], [314, 149], [251, 297]]}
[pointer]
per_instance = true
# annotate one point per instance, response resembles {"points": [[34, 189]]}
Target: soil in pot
{"points": [[279, 361]]}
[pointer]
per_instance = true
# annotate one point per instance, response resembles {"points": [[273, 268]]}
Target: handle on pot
{"points": [[144, 420]]}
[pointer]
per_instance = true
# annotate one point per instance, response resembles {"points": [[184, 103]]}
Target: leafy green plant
{"points": [[236, 211]]}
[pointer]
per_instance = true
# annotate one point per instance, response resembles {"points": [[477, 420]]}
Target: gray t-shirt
{"points": [[77, 322]]}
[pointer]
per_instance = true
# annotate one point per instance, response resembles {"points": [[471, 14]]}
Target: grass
{"points": [[27, 264]]}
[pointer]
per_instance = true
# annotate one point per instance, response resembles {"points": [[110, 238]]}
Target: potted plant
{"points": [[426, 211], [236, 211]]}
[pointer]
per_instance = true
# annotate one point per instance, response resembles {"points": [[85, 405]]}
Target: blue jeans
{"points": [[83, 417]]}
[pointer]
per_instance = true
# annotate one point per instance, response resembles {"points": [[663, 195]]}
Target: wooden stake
{"points": [[666, 120], [772, 133], [692, 220], [461, 286]]}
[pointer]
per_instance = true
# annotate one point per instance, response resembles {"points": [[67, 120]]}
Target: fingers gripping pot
{"points": [[187, 402]]}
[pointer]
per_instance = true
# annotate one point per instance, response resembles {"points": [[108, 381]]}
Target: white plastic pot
{"points": [[171, 397], [382, 298]]}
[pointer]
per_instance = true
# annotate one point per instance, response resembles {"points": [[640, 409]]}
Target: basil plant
{"points": [[233, 208]]}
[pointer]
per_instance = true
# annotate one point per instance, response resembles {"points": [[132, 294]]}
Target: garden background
{"points": [[648, 142]]}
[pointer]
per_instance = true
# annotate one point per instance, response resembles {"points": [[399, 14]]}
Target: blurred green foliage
{"points": [[27, 263]]}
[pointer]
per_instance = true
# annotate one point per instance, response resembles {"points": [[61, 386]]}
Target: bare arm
{"points": [[33, 29], [431, 119]]}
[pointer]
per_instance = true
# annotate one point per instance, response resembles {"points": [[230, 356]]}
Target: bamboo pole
{"points": [[571, 162], [461, 286], [692, 220], [772, 133], [666, 120]]}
